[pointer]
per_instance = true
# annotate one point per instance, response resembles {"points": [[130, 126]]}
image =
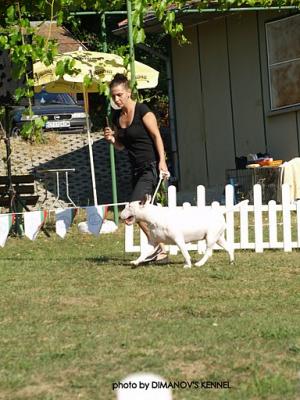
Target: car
{"points": [[62, 112]]}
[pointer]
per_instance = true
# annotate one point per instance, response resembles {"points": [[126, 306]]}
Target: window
{"points": [[283, 46], [44, 98]]}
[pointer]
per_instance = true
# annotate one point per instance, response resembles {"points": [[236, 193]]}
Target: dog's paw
{"points": [[199, 264], [187, 266], [135, 262]]}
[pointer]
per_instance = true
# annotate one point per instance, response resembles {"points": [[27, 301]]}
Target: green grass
{"points": [[75, 318]]}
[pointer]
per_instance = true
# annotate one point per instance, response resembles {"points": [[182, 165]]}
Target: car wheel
{"points": [[15, 131]]}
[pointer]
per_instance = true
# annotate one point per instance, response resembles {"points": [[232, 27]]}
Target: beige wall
{"points": [[189, 114], [222, 99]]}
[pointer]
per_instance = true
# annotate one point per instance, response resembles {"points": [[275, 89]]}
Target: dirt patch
{"points": [[31, 391], [193, 370], [78, 301]]}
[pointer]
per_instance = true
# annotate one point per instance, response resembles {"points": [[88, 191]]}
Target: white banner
{"points": [[5, 225], [95, 216], [64, 219], [33, 222]]}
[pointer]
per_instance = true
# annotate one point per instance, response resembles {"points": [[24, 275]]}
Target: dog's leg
{"points": [[149, 251], [182, 246], [222, 242], [208, 252], [207, 255]]}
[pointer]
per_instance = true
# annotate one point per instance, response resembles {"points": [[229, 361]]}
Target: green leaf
{"points": [[140, 37], [11, 14], [3, 41], [103, 88], [27, 129], [19, 93], [60, 68], [39, 122], [60, 17], [87, 80], [30, 82]]}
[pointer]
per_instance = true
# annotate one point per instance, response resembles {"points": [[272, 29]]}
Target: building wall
{"points": [[222, 99], [189, 113]]}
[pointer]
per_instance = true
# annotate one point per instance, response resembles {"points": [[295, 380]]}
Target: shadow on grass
{"points": [[104, 259], [95, 260], [126, 263]]}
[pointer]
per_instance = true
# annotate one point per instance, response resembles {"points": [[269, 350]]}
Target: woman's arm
{"points": [[111, 136], [150, 123]]}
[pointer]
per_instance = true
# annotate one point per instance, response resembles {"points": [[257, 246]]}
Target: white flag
{"points": [[33, 222], [64, 219], [95, 216], [6, 221]]}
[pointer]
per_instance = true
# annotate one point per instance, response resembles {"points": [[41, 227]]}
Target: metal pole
{"points": [[111, 146], [197, 10], [131, 45], [103, 32], [12, 205], [98, 12], [90, 144]]}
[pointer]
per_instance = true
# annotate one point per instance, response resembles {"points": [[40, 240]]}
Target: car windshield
{"points": [[44, 98]]}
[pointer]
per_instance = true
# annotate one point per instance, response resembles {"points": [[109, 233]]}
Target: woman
{"points": [[135, 128]]}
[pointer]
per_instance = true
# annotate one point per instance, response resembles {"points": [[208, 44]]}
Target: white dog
{"points": [[180, 226]]}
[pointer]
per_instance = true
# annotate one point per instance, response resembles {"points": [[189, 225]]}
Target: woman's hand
{"points": [[109, 135], [163, 169]]}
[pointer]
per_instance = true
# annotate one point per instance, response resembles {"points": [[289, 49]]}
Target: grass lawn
{"points": [[75, 318]]}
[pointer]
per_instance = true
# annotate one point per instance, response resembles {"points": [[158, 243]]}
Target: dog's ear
{"points": [[146, 200]]}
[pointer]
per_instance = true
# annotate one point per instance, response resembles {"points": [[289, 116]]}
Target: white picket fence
{"points": [[259, 226]]}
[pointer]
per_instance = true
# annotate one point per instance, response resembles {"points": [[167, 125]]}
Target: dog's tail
{"points": [[236, 206]]}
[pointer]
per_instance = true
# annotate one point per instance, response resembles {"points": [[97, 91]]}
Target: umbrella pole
{"points": [[114, 182], [86, 107]]}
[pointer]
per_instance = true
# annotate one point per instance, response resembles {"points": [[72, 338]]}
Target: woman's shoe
{"points": [[152, 257], [160, 259], [164, 259]]}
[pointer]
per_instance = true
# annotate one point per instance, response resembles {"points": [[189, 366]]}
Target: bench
{"points": [[24, 189]]}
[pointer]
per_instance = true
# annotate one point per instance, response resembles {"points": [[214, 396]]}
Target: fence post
{"points": [[201, 196], [298, 222], [229, 204], [272, 212], [172, 203], [259, 248], [286, 216], [201, 202], [244, 226], [129, 246], [143, 242]]}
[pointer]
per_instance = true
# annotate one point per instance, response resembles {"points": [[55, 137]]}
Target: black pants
{"points": [[145, 181]]}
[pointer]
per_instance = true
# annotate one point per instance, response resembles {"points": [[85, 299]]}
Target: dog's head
{"points": [[131, 212]]}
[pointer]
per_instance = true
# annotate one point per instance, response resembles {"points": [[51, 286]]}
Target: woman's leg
{"points": [[144, 184], [159, 252]]}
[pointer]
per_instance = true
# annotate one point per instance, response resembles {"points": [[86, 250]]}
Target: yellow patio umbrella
{"points": [[99, 68]]}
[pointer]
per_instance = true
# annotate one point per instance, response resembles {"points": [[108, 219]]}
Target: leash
{"points": [[162, 176]]}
